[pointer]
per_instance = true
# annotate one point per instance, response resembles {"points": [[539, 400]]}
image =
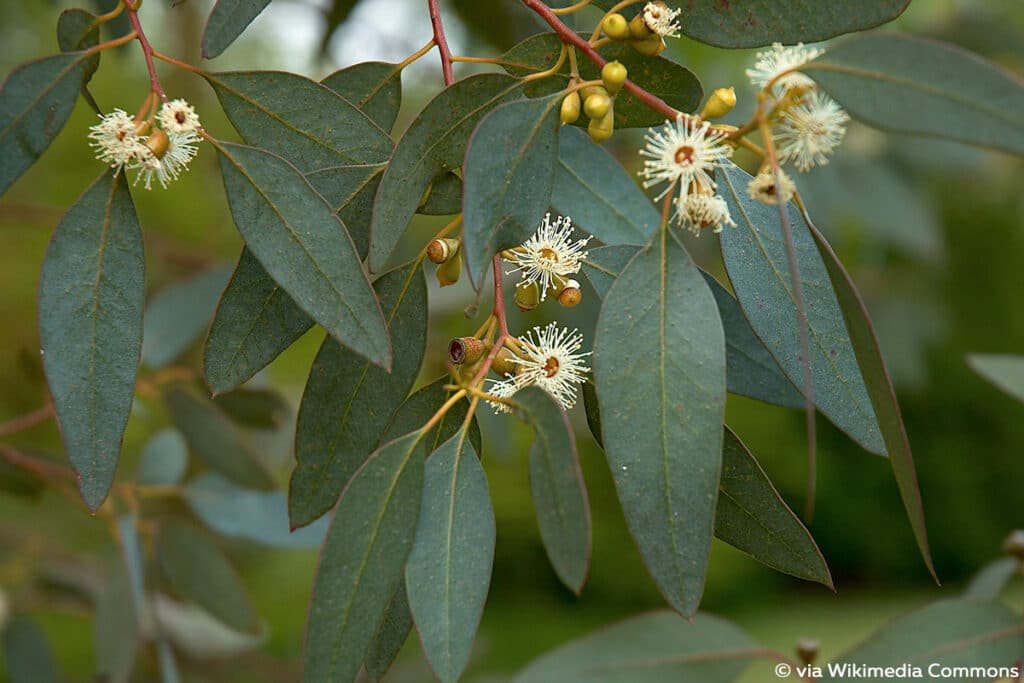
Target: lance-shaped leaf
{"points": [[917, 85], [390, 636], [556, 482], [657, 647], [303, 121], [177, 315], [304, 247], [444, 197], [661, 390], [36, 101], [510, 170], [417, 410], [662, 77], [214, 439], [373, 87], [753, 23], [992, 579], [362, 560], [257, 408], [948, 633], [750, 369], [116, 635], [449, 568], [90, 327], [164, 459], [348, 402], [77, 30], [594, 190], [350, 191], [227, 20], [199, 571], [881, 391], [435, 141], [255, 321], [1003, 370], [28, 654], [755, 258], [752, 516]]}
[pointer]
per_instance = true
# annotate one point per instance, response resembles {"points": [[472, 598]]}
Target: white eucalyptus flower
{"points": [[661, 20], [699, 211], [779, 60], [683, 154], [178, 116], [549, 255], [553, 362], [502, 388], [115, 139], [764, 188], [809, 132]]}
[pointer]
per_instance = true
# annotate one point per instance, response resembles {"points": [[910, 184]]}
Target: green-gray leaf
{"points": [[917, 85], [214, 439], [673, 83], [348, 402], [657, 647], [350, 191], [179, 314], [228, 19], [255, 321], [510, 170], [444, 197], [421, 406], [199, 571], [991, 579], [28, 653], [373, 87], [947, 633], [76, 31], [1003, 370], [90, 327], [661, 390], [752, 516], [164, 459], [304, 247], [257, 408], [390, 637], [305, 122], [36, 101], [116, 636], [556, 482], [755, 258], [435, 141], [449, 568], [362, 560], [592, 187]]}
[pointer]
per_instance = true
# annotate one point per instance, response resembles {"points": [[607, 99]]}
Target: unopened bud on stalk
{"points": [[638, 28], [504, 364], [442, 250], [467, 350], [158, 143], [613, 75], [616, 27], [651, 46], [719, 104], [592, 90], [597, 106], [570, 295], [570, 108], [527, 296], [601, 129], [448, 272]]}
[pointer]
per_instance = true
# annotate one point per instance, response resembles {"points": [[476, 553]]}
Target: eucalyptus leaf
{"points": [[1003, 370], [661, 391], [256, 408], [227, 20], [510, 170], [990, 581], [556, 482], [199, 571], [362, 560], [255, 321], [435, 141], [755, 258], [350, 191], [390, 636], [657, 647], [444, 197], [449, 568], [164, 459], [421, 406], [90, 328], [76, 31], [375, 88], [36, 101], [299, 119], [116, 636], [28, 653], [179, 314], [917, 85], [197, 635], [304, 247], [348, 402]]}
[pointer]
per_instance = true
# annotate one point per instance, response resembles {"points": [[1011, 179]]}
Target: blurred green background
{"points": [[933, 233]]}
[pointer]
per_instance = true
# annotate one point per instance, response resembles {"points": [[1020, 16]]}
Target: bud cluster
{"points": [[647, 31], [598, 102]]}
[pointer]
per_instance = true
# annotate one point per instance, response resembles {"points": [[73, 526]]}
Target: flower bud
{"points": [[158, 143], [597, 106], [467, 350], [638, 29], [616, 27], [601, 129], [503, 364], [570, 108], [570, 295], [719, 104], [613, 75], [807, 650], [527, 296], [1013, 544], [448, 272], [439, 251], [651, 46], [592, 90]]}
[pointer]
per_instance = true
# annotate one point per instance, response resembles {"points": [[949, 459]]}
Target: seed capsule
{"points": [[527, 296], [570, 108], [719, 104], [616, 27], [467, 350], [613, 75], [570, 296], [597, 106]]}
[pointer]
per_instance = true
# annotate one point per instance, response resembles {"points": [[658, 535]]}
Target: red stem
{"points": [[28, 420], [147, 51], [442, 42]]}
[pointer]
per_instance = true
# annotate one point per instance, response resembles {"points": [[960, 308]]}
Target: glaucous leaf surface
{"points": [[755, 258], [375, 88], [449, 568], [435, 141], [444, 198], [1003, 370], [164, 459], [179, 314], [910, 84], [76, 31], [90, 327], [348, 402], [256, 408], [661, 390], [390, 637], [657, 647], [36, 101], [362, 560], [510, 170], [350, 191], [28, 654], [227, 20], [662, 77], [991, 579], [301, 120], [557, 485], [116, 636], [304, 247], [199, 571], [421, 406]]}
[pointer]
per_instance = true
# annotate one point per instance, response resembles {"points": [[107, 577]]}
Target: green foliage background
{"points": [[938, 260]]}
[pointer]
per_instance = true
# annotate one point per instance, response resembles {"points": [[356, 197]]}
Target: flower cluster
{"points": [[160, 153], [551, 360], [549, 257]]}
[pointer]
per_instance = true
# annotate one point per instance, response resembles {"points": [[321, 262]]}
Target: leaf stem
{"points": [[116, 42], [147, 49], [178, 63], [27, 420], [455, 398], [571, 8], [553, 70], [416, 55], [441, 41], [615, 8]]}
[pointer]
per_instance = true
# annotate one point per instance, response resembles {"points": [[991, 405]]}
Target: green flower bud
{"points": [[613, 75], [651, 46], [597, 106], [719, 104], [601, 129], [616, 27], [527, 296], [503, 363], [638, 28], [570, 108], [448, 272]]}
